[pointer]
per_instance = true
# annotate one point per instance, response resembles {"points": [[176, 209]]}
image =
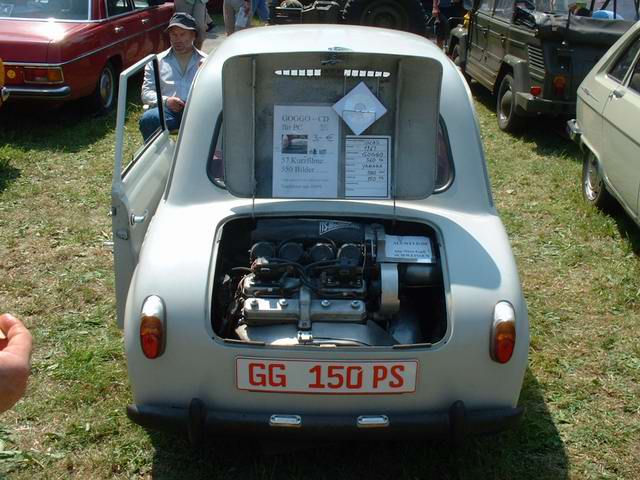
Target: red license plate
{"points": [[326, 377]]}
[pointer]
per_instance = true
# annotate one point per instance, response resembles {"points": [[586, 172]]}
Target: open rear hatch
{"points": [[287, 130], [326, 126]]}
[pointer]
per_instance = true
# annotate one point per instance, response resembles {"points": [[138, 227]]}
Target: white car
{"points": [[326, 260], [607, 126]]}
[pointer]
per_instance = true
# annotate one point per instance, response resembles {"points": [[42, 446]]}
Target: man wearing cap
{"points": [[178, 66]]}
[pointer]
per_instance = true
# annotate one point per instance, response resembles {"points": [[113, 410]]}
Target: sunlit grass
{"points": [[578, 268]]}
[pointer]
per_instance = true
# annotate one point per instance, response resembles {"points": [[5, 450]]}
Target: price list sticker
{"points": [[367, 166]]}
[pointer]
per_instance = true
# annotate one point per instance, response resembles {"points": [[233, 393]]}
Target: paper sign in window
{"points": [[367, 166], [305, 151]]}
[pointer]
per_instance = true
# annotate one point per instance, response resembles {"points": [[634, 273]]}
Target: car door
{"points": [[136, 188], [497, 37], [621, 128], [154, 18], [479, 32], [125, 23], [146, 20]]}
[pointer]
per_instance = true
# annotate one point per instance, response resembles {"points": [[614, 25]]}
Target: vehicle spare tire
{"points": [[407, 15]]}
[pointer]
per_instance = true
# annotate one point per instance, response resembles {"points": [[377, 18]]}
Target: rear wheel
{"points": [[508, 119], [103, 98], [407, 15], [593, 187]]}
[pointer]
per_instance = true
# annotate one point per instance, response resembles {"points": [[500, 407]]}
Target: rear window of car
{"points": [[634, 83], [56, 9], [444, 165], [623, 63]]}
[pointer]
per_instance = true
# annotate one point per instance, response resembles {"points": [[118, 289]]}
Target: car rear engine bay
{"points": [[328, 282]]}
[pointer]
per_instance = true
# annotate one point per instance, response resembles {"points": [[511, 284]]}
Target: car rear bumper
{"points": [[574, 131], [43, 92], [527, 104], [199, 421]]}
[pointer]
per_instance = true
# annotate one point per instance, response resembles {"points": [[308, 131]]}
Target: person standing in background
{"points": [[442, 11], [198, 10], [232, 9], [260, 8]]}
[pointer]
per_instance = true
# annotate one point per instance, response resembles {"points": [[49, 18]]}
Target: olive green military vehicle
{"points": [[406, 15], [533, 54]]}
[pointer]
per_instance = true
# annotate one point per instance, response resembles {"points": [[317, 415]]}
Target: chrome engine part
{"points": [[310, 281]]}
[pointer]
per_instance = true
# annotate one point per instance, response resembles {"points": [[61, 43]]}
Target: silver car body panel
{"points": [[177, 259]]}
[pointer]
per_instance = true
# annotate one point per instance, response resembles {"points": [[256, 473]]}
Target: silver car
{"points": [[607, 126], [325, 258]]}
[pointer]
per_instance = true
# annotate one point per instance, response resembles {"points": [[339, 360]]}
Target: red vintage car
{"points": [[60, 50]]}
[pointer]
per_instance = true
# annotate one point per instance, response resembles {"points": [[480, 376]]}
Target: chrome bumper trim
{"points": [[30, 92]]}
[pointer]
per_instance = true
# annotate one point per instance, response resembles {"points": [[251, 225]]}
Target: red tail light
{"points": [[152, 327], [559, 84], [42, 75], [503, 332], [536, 90]]}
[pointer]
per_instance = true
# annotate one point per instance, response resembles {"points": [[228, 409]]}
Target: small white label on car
{"points": [[367, 166], [417, 249], [326, 377]]}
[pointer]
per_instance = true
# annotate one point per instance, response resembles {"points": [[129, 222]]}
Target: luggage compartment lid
{"points": [[330, 125]]}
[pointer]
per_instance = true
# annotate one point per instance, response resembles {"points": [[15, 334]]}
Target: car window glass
{"points": [[117, 7], [634, 83], [485, 6], [215, 167], [549, 6], [623, 63], [143, 110], [141, 4], [444, 164], [504, 9], [57, 9]]}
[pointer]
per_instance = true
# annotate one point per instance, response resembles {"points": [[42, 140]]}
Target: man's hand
{"points": [[175, 104], [15, 353]]}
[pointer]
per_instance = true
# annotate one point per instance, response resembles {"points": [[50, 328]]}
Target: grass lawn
{"points": [[579, 267]]}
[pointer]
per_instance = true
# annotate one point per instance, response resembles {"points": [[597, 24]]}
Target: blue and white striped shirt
{"points": [[173, 83]]}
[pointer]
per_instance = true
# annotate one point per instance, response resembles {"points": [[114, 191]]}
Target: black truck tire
{"points": [[407, 15], [508, 119]]}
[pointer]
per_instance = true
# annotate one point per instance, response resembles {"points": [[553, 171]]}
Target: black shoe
{"points": [[210, 26]]}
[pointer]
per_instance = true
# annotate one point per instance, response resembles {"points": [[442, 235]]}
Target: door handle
{"points": [[617, 93], [138, 218], [503, 39], [485, 31], [118, 29], [145, 21]]}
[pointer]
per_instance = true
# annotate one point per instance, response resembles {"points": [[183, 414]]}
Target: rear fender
{"points": [[519, 68], [458, 36]]}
